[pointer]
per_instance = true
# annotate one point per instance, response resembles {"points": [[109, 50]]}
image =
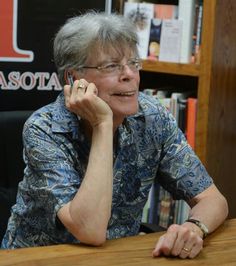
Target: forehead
{"points": [[112, 52]]}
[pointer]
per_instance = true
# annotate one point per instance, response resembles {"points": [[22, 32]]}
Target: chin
{"points": [[126, 112], [132, 113]]}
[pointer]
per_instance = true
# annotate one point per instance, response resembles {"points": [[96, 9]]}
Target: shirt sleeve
{"points": [[180, 170], [51, 176]]}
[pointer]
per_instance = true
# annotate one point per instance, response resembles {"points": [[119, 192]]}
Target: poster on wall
{"points": [[28, 78]]}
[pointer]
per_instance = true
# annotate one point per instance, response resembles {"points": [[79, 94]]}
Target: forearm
{"points": [[87, 215], [185, 240], [91, 207], [210, 208]]}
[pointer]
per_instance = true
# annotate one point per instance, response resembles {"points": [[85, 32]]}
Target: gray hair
{"points": [[82, 37]]}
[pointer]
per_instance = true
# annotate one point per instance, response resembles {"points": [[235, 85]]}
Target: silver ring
{"points": [[81, 86], [186, 249]]}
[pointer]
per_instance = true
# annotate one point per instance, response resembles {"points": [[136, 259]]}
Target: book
{"points": [[183, 212], [154, 206], [198, 33], [191, 121], [154, 39], [182, 119], [141, 15], [166, 208], [195, 32], [171, 39], [146, 208], [187, 16], [161, 11], [164, 11], [177, 100]]}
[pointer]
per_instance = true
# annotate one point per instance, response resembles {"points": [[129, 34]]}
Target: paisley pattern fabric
{"points": [[56, 151]]}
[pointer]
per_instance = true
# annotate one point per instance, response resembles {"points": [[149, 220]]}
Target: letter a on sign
{"points": [[9, 51]]}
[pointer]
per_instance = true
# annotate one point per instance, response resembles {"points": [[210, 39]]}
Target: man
{"points": [[92, 155]]}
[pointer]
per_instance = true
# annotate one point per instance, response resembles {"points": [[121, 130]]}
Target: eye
{"points": [[134, 63], [110, 67]]}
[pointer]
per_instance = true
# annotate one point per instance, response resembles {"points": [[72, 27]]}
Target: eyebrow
{"points": [[115, 59], [105, 61]]}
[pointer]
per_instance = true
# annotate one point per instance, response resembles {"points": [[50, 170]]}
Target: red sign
{"points": [[28, 78], [9, 50]]}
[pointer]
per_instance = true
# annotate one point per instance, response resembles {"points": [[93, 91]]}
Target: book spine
{"points": [[187, 16], [153, 218], [198, 35], [182, 114], [191, 121], [146, 209], [195, 31]]}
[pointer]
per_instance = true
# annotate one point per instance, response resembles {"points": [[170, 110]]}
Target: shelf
{"points": [[171, 68]]}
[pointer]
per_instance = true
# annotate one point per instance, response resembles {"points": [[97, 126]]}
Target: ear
{"points": [[68, 77]]}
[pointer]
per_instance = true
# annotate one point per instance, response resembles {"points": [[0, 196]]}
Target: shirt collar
{"points": [[127, 129], [64, 121]]}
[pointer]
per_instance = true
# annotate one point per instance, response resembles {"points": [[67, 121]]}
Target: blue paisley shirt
{"points": [[56, 151]]}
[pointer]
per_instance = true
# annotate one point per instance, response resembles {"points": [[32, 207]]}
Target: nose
{"points": [[125, 69], [127, 75]]}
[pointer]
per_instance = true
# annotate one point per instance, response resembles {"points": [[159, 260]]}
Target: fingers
{"points": [[179, 241], [157, 251], [79, 88], [166, 242], [82, 99], [191, 247], [181, 246], [192, 244], [75, 94], [92, 89]]}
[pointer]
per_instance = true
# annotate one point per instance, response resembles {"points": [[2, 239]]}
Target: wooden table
{"points": [[220, 249]]}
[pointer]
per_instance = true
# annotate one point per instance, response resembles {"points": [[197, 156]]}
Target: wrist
{"points": [[200, 227], [106, 123], [194, 228], [103, 133]]}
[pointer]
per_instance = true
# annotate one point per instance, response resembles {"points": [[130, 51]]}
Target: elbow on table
{"points": [[225, 206], [93, 238], [85, 231], [98, 242], [94, 235]]}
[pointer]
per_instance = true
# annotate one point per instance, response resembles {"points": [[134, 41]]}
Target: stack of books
{"points": [[170, 33]]}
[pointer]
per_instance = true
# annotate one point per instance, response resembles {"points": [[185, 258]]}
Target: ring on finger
{"points": [[81, 85], [186, 249]]}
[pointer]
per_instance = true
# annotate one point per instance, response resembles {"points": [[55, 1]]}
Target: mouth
{"points": [[128, 93]]}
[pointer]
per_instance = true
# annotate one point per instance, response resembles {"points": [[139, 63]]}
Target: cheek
{"points": [[105, 87], [101, 85], [103, 95]]}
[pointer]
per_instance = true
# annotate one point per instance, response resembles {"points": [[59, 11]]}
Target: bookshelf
{"points": [[214, 80], [171, 68]]}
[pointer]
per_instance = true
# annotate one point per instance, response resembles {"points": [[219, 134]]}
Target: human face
{"points": [[118, 90]]}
